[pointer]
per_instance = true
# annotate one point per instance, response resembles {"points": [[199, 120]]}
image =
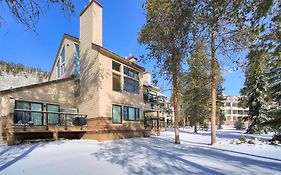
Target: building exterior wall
{"points": [[69, 46], [232, 111], [58, 92], [109, 97]]}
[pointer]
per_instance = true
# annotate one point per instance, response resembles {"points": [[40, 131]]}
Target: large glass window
{"points": [[131, 73], [58, 68], [116, 82], [36, 117], [116, 66], [62, 56], [77, 60], [131, 114], [26, 117], [131, 85], [116, 114], [62, 59], [53, 118]]}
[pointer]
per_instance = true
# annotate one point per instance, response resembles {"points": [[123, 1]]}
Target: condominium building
{"points": [[92, 93], [232, 110]]}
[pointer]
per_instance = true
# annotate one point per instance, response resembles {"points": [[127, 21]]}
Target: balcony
{"points": [[29, 118]]}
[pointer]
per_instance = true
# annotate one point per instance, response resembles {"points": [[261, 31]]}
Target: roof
{"points": [[36, 85], [65, 36], [117, 57], [96, 2]]}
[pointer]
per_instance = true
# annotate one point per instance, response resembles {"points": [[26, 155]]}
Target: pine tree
{"points": [[222, 24], [199, 86], [220, 98], [256, 90], [165, 35]]}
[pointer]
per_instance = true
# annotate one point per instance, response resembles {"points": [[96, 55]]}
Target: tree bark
{"points": [[213, 86], [175, 100]]}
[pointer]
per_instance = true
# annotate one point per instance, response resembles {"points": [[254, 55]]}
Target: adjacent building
{"points": [[232, 110], [92, 93]]}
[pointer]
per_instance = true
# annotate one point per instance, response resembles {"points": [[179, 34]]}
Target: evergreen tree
{"points": [[256, 90], [165, 35], [220, 98], [199, 86], [223, 26]]}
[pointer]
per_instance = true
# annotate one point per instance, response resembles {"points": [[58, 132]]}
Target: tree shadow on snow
{"points": [[159, 156]]}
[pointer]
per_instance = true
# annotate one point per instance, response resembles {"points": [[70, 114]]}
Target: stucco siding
{"points": [[61, 93]]}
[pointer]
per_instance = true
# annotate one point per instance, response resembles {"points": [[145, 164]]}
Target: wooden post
{"points": [[56, 134], [10, 138]]}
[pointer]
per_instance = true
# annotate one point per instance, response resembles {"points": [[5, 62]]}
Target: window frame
{"points": [[30, 113], [116, 63], [127, 70], [137, 114], [121, 111], [136, 85], [120, 87], [49, 104]]}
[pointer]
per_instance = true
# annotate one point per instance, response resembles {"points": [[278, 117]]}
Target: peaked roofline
{"points": [[117, 57], [36, 85], [65, 36]]}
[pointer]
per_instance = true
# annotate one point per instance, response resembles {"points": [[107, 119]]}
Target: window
{"points": [[26, 117], [53, 118], [62, 56], [131, 114], [62, 59], [62, 69], [235, 104], [227, 104], [116, 82], [234, 112], [116, 66], [228, 111], [131, 73], [131, 85], [240, 112], [116, 114], [77, 60], [58, 68]]}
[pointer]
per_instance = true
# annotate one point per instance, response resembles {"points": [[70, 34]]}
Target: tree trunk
{"points": [[195, 128], [213, 87], [175, 102]]}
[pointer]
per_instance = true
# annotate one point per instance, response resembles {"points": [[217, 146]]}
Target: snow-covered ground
{"points": [[154, 155]]}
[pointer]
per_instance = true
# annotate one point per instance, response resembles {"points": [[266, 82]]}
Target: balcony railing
{"points": [[23, 117]]}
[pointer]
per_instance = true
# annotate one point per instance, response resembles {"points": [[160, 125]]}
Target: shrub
{"points": [[239, 125]]}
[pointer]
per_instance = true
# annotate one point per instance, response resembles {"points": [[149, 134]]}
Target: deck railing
{"points": [[23, 117]]}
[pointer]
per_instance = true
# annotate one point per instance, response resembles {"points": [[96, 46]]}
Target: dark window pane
{"points": [[131, 85], [116, 114], [131, 73], [116, 82], [116, 66], [20, 117], [22, 105]]}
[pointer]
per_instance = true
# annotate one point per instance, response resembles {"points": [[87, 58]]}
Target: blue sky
{"points": [[122, 21]]}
